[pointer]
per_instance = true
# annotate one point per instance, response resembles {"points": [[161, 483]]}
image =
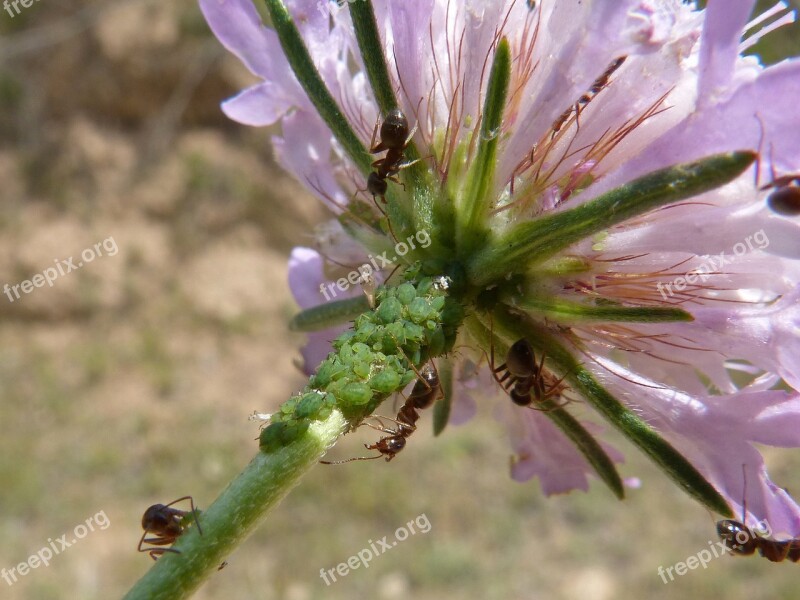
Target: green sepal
{"points": [[441, 410], [533, 242], [566, 310], [475, 205], [300, 61], [664, 455], [329, 314]]}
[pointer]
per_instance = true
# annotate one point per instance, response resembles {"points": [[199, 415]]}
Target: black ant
{"points": [[395, 138], [425, 391], [741, 540], [524, 380], [785, 200], [167, 524]]}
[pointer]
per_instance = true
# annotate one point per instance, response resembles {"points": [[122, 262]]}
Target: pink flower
{"points": [[598, 95]]}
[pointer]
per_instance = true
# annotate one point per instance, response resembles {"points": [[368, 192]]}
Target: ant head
{"points": [[394, 130], [155, 518], [375, 185], [737, 538]]}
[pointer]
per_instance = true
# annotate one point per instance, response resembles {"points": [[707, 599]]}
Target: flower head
{"points": [[539, 162]]}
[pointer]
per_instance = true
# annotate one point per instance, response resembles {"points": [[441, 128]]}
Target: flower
{"points": [[525, 119]]}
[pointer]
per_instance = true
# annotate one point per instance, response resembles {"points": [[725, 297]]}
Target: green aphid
{"points": [[385, 382], [437, 303], [424, 286], [345, 354], [272, 436], [355, 394], [343, 339], [293, 430], [406, 293], [390, 310], [310, 405], [364, 331], [330, 370], [288, 407], [413, 333], [362, 369], [419, 310]]}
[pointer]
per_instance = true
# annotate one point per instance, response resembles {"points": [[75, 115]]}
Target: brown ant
{"points": [[395, 138], [425, 391], [524, 380], [741, 540], [594, 89], [785, 200], [167, 524]]}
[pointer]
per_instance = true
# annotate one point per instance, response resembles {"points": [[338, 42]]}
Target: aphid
{"points": [[523, 379], [167, 524], [785, 200], [395, 138], [424, 393]]}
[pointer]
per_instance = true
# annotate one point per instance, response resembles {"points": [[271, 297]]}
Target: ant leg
{"points": [[341, 462], [374, 148]]}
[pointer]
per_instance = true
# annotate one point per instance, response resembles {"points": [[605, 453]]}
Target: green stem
{"points": [[535, 241], [235, 513]]}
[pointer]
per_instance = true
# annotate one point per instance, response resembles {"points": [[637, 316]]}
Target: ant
{"points": [[395, 138], [741, 540], [594, 89], [785, 200], [167, 524], [524, 380], [425, 391]]}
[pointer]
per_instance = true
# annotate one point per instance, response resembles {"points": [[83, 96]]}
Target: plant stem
{"points": [[236, 513]]}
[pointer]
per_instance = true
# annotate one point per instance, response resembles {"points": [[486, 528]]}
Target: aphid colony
{"points": [[378, 357]]}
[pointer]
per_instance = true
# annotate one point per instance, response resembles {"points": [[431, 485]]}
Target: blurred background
{"points": [[130, 380]]}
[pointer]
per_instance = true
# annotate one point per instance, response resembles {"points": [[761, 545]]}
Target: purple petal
{"points": [[305, 278], [543, 451], [719, 46], [716, 434], [258, 106]]}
